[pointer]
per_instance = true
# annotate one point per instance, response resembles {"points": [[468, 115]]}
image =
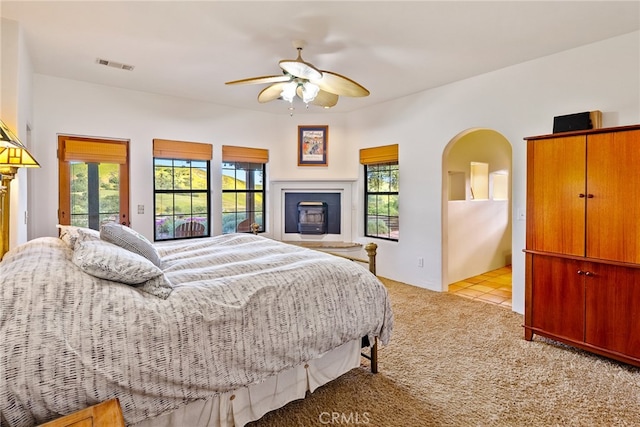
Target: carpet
{"points": [[457, 362]]}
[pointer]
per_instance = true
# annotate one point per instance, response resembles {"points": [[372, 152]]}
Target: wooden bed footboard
{"points": [[372, 251]]}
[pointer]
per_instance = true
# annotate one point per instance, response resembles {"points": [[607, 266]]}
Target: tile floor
{"points": [[492, 287]]}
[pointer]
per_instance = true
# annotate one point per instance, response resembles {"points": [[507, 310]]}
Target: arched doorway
{"points": [[476, 213]]}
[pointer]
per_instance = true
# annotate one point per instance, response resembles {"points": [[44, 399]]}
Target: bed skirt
{"points": [[239, 407]]}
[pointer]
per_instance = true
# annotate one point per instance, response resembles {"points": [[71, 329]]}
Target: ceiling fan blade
{"points": [[325, 99], [271, 92], [260, 80], [340, 85], [322, 99]]}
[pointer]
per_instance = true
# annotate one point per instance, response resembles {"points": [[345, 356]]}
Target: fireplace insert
{"points": [[312, 217]]}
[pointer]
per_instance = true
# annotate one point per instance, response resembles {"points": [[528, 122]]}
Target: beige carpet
{"points": [[457, 362]]}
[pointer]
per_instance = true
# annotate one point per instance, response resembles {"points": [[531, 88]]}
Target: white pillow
{"points": [[159, 286], [108, 261], [70, 233], [131, 240]]}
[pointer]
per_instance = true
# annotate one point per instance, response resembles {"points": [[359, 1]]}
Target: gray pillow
{"points": [[159, 286], [128, 238], [107, 261]]}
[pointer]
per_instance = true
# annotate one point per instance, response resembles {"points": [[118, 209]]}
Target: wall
{"points": [[477, 232], [517, 101], [78, 108], [16, 112]]}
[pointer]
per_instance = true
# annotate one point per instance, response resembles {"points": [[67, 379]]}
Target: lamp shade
{"points": [[17, 157], [7, 137], [13, 154]]}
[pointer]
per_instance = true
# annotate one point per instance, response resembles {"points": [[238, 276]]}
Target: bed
{"points": [[230, 328]]}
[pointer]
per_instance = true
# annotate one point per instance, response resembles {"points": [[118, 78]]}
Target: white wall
{"points": [[517, 101], [16, 112], [78, 108]]}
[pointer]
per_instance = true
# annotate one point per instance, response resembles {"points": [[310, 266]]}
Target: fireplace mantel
{"points": [[345, 187]]}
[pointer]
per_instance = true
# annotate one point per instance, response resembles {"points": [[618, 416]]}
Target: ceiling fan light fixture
{"points": [[289, 91], [301, 69], [309, 92]]}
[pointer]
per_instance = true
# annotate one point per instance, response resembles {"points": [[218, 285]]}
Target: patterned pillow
{"points": [[159, 286], [108, 261], [70, 233], [129, 239]]}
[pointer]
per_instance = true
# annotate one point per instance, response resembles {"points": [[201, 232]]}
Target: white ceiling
{"points": [[393, 48]]}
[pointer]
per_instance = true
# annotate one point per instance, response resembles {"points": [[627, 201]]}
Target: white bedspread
{"points": [[243, 308]]}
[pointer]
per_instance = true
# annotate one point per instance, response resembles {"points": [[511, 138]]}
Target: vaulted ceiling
{"points": [[190, 49]]}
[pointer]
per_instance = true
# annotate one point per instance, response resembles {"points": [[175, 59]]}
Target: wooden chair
{"points": [[189, 229], [105, 414]]}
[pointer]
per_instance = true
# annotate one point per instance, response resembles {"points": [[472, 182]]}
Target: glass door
{"points": [[94, 182]]}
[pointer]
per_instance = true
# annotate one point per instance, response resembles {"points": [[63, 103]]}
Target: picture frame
{"points": [[313, 145]]}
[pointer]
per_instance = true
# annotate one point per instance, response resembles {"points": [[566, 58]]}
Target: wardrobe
{"points": [[582, 282]]}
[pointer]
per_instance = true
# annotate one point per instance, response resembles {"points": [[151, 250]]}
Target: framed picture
{"points": [[312, 145]]}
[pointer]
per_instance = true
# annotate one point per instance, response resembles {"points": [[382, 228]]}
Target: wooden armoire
{"points": [[582, 283]]}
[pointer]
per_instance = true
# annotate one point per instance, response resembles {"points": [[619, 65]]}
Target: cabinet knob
{"points": [[581, 195], [588, 273], [580, 272], [589, 196]]}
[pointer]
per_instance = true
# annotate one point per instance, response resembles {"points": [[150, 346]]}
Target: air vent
{"points": [[115, 64]]}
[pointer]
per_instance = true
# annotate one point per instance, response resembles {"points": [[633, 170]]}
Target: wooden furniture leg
{"points": [[372, 356]]}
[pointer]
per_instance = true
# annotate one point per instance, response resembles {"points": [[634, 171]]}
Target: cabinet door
{"points": [[613, 191], [555, 183], [612, 310], [557, 297]]}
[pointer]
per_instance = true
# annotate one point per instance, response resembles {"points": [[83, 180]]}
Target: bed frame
{"points": [[371, 249]]}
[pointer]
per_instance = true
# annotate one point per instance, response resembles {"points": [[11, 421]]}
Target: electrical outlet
{"points": [[420, 262], [140, 209]]}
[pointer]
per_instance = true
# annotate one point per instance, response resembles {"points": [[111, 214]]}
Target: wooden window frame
{"points": [[91, 150]]}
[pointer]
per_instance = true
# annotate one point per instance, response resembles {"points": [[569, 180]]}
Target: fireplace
{"points": [[286, 195], [312, 217], [320, 213]]}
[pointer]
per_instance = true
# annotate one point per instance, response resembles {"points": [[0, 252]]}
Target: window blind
{"points": [[383, 154], [92, 151], [244, 154], [167, 149]]}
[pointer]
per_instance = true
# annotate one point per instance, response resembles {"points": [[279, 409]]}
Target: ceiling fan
{"points": [[302, 79]]}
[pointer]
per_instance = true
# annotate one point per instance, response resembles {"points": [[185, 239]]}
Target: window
{"points": [[381, 172], [181, 189], [243, 189], [93, 181]]}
